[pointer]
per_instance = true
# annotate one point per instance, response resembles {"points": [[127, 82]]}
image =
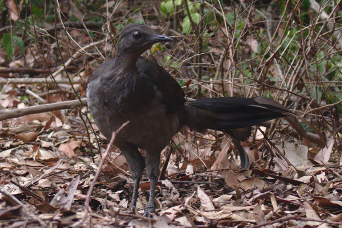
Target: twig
{"points": [[86, 203], [26, 210], [42, 108], [287, 218], [4, 81], [32, 70], [29, 92]]}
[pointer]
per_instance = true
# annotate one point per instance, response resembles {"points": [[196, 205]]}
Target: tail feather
{"points": [[231, 112], [234, 115]]}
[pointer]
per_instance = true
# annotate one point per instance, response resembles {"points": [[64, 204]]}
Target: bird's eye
{"points": [[137, 35]]}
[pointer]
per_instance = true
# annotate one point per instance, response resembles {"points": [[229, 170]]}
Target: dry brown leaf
{"points": [[259, 215], [13, 10], [6, 153], [41, 117], [17, 63], [68, 148], [222, 161], [206, 202], [174, 192], [71, 192], [46, 144], [230, 179], [173, 212], [28, 136], [27, 162], [296, 154], [46, 208], [44, 183], [11, 101], [46, 155], [223, 199], [324, 154], [109, 4], [253, 183], [311, 214], [337, 218]]}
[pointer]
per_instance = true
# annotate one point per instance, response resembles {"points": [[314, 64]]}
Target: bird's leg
{"points": [[152, 171], [136, 164], [135, 194], [150, 205]]}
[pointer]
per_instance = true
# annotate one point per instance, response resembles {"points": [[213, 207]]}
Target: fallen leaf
{"points": [[13, 10], [206, 202], [311, 214], [27, 137], [324, 154], [68, 148]]}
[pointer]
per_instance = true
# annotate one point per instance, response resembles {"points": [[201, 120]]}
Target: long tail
{"points": [[229, 113]]}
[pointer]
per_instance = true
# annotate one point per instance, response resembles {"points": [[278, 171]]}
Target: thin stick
{"points": [[86, 203], [26, 209], [5, 81], [42, 108]]}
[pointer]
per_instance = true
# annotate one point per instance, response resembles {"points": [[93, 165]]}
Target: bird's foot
{"points": [[133, 210], [149, 211]]}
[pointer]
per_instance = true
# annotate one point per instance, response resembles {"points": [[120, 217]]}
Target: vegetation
{"points": [[283, 49]]}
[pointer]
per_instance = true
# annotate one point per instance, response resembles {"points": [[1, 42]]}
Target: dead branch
{"points": [[5, 81], [33, 70], [42, 108]]}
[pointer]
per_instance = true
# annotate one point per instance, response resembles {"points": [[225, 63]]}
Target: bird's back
{"points": [[116, 97]]}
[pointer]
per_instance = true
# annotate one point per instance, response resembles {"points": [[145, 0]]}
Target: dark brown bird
{"points": [[132, 88]]}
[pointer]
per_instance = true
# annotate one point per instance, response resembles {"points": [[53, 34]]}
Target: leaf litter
{"points": [[48, 161]]}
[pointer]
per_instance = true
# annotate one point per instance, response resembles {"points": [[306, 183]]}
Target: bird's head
{"points": [[137, 38]]}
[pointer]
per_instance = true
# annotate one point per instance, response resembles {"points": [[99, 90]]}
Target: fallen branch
{"points": [[42, 108], [34, 81], [33, 70]]}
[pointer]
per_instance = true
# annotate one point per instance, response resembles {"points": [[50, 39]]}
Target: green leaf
{"points": [[37, 12], [163, 9], [7, 43], [186, 26], [169, 6], [230, 17], [198, 5], [191, 7], [50, 19], [306, 5], [37, 2], [178, 2], [18, 41], [196, 17]]}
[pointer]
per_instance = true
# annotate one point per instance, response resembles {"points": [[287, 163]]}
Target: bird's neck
{"points": [[126, 61]]}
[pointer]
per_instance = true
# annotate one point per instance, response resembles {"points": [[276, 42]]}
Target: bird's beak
{"points": [[161, 38]]}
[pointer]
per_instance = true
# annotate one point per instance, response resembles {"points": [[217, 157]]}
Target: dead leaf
{"points": [[253, 183], [6, 153], [296, 154], [46, 155], [253, 44], [41, 117], [231, 179], [27, 137], [259, 215], [324, 154], [206, 202], [46, 208], [13, 10], [311, 214], [68, 148], [337, 218]]}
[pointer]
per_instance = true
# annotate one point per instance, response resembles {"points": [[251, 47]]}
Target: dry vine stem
{"points": [[42, 108], [86, 203]]}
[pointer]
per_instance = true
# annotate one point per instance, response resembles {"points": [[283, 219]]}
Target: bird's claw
{"points": [[149, 211]]}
